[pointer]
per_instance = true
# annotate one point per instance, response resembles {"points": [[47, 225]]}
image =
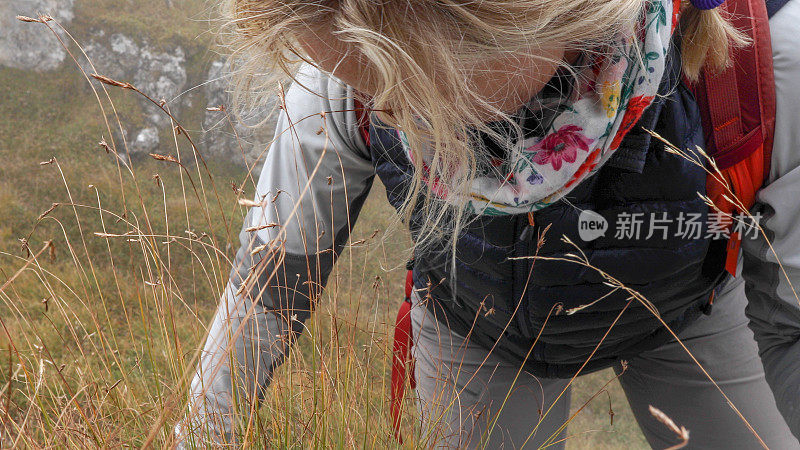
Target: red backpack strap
{"points": [[738, 110], [402, 360], [738, 104], [362, 116]]}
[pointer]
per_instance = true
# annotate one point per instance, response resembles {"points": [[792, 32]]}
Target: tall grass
{"points": [[107, 294]]}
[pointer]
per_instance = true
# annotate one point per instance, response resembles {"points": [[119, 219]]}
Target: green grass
{"points": [[95, 337], [165, 22]]}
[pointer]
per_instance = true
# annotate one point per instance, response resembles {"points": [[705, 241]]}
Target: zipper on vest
{"points": [[522, 268], [526, 233]]}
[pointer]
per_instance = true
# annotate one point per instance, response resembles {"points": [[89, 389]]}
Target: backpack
{"points": [[738, 110], [737, 106]]}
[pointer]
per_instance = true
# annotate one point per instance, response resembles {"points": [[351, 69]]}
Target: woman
{"points": [[494, 124]]}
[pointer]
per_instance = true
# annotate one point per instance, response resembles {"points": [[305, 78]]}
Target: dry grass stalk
{"points": [[41, 19], [168, 158], [247, 203], [48, 211], [110, 82], [681, 432], [262, 227]]}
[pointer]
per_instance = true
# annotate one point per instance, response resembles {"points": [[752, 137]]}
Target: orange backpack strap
{"points": [[738, 110]]}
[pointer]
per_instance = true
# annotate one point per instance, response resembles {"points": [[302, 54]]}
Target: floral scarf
{"points": [[616, 87]]}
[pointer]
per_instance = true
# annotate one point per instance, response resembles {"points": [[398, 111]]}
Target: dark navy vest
{"points": [[504, 303]]}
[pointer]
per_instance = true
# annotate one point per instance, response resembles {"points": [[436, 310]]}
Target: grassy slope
{"points": [[123, 341]]}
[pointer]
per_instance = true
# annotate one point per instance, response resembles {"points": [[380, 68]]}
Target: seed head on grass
{"points": [[168, 158], [110, 82], [248, 203], [41, 19], [681, 432]]}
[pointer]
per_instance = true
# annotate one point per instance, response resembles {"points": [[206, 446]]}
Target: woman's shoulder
{"points": [[316, 93], [786, 66]]}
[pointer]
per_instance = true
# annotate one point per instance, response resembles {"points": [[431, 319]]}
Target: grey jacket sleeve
{"points": [[315, 178], [773, 305]]}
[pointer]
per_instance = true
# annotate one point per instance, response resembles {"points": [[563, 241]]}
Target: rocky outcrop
{"points": [[29, 46], [162, 75], [184, 79], [146, 140], [159, 74]]}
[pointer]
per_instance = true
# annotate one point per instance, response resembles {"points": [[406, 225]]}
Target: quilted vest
{"points": [[534, 311]]}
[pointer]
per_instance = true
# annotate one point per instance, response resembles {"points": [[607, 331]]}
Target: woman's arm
{"points": [[313, 183], [773, 306]]}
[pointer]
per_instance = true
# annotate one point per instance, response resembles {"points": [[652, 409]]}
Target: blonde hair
{"points": [[707, 40], [419, 54]]}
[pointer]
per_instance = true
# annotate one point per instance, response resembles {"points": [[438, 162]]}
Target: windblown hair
{"points": [[420, 56]]}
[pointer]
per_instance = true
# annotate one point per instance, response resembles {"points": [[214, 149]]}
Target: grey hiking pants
{"points": [[469, 402]]}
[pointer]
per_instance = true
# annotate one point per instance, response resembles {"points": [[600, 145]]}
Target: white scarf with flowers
{"points": [[616, 87]]}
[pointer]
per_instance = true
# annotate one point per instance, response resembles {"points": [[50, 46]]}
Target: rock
{"points": [[146, 141], [161, 75], [176, 73], [253, 128], [123, 45], [31, 46]]}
